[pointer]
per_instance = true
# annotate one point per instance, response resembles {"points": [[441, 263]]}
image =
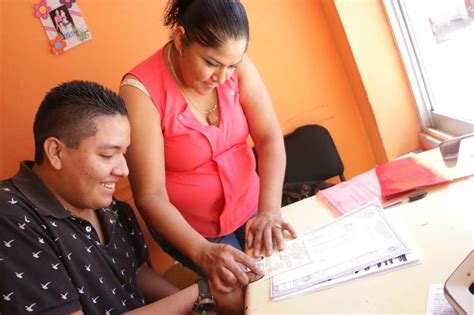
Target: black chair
{"points": [[311, 159]]}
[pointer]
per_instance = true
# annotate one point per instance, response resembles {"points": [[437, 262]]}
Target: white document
{"points": [[391, 264], [295, 254], [348, 244], [437, 303]]}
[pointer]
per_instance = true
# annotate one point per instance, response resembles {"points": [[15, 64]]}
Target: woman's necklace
{"points": [[211, 115]]}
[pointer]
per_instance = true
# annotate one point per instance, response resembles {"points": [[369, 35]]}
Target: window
{"points": [[436, 41]]}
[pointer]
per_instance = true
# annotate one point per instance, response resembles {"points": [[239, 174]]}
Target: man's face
{"points": [[90, 172]]}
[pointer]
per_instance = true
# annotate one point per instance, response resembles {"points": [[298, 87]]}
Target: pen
{"points": [[413, 197]]}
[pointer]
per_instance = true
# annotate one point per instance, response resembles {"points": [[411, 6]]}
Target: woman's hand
{"points": [[266, 232], [227, 267]]}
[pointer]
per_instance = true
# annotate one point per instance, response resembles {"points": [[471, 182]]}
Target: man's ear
{"points": [[178, 39], [53, 151]]}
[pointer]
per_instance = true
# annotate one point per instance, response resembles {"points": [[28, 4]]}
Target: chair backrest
{"points": [[311, 155]]}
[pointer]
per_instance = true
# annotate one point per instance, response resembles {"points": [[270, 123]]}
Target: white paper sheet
{"points": [[295, 255], [437, 303], [392, 264], [352, 242]]}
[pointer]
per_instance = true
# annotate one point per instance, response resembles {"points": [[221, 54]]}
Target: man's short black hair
{"points": [[68, 113]]}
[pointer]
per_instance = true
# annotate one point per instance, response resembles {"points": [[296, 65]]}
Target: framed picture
{"points": [[63, 23]]}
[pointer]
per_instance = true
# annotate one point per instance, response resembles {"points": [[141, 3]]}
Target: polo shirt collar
{"points": [[31, 186]]}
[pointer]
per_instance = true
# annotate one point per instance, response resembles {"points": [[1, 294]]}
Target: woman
{"points": [[191, 107]]}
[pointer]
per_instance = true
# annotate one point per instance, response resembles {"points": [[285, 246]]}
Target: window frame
{"points": [[430, 119]]}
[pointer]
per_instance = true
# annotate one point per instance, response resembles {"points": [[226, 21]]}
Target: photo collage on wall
{"points": [[63, 22]]}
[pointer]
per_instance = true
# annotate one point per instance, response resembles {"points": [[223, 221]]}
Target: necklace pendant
{"points": [[212, 118]]}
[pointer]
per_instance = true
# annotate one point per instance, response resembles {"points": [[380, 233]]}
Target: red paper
{"points": [[404, 175]]}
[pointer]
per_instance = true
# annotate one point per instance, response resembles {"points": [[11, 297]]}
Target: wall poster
{"points": [[63, 22]]}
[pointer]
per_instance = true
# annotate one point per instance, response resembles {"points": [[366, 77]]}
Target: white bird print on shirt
{"points": [[36, 255], [45, 286], [69, 255], [89, 237], [19, 274], [132, 295], [107, 312], [122, 272], [26, 220], [21, 225], [127, 254], [64, 296], [12, 201], [53, 223], [124, 302], [6, 189], [55, 266], [88, 249], [113, 291], [9, 243], [133, 232], [88, 267], [8, 296], [74, 236], [113, 260], [41, 240], [111, 221], [101, 280], [94, 300], [30, 307], [81, 290]]}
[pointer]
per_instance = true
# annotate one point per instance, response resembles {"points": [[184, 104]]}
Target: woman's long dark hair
{"points": [[208, 22]]}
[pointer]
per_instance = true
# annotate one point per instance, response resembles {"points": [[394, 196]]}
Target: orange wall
{"points": [[315, 70], [294, 49], [291, 43], [28, 69], [387, 98]]}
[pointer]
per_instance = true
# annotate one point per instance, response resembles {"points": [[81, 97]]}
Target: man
{"points": [[66, 246]]}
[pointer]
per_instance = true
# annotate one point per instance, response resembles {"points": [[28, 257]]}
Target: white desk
{"points": [[441, 226]]}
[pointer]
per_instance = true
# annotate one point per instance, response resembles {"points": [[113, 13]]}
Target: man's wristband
{"points": [[205, 302]]}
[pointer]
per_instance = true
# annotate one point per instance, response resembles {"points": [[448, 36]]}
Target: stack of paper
{"points": [[349, 195], [357, 244], [395, 180]]}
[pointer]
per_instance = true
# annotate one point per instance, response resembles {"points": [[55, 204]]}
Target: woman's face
{"points": [[203, 68]]}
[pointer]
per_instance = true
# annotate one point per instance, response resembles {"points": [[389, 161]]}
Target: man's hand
{"points": [[226, 267], [229, 303], [266, 232]]}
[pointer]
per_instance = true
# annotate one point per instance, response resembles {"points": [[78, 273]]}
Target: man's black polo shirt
{"points": [[52, 261]]}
